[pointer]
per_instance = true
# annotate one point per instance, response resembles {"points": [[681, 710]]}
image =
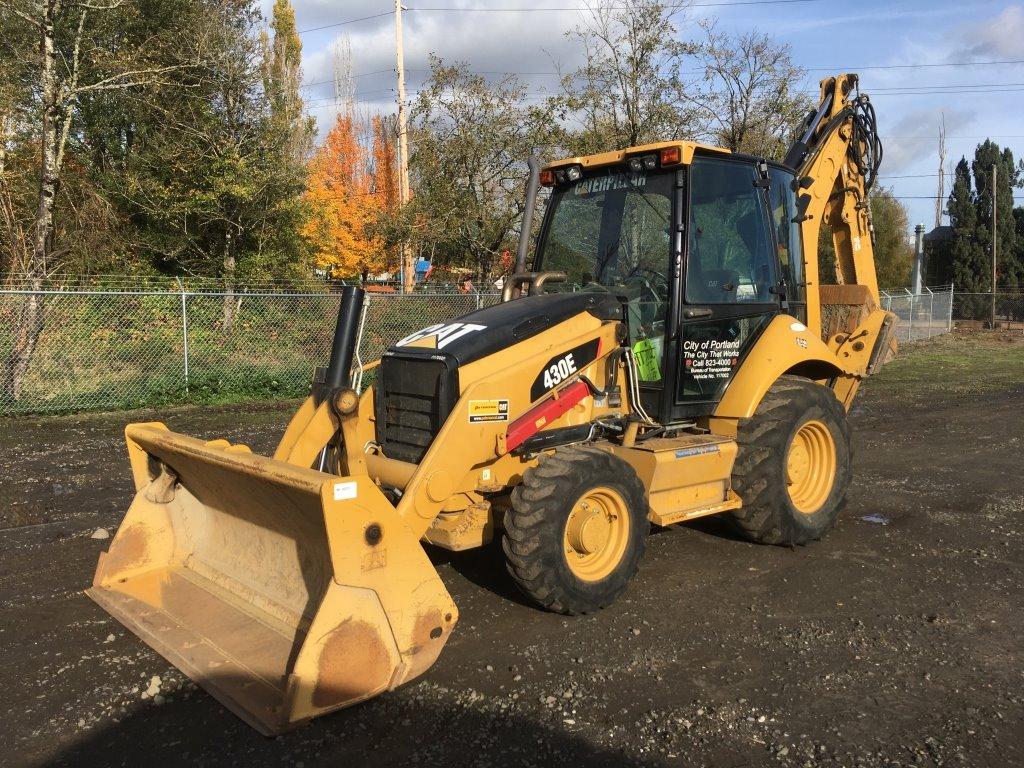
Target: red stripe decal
{"points": [[538, 417]]}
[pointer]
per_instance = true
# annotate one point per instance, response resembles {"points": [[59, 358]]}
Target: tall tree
{"points": [[998, 198], [214, 190], [72, 58], [470, 139], [630, 90], [385, 170], [750, 97], [282, 61], [970, 262], [894, 254], [343, 205]]}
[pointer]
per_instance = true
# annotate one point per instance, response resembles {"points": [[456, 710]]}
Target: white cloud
{"points": [[486, 42], [999, 38], [904, 153]]}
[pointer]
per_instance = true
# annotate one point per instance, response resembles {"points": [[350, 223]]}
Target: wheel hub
{"points": [[811, 466], [596, 533], [589, 529]]}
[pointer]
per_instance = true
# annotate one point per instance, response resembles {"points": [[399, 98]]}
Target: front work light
{"points": [[574, 173]]}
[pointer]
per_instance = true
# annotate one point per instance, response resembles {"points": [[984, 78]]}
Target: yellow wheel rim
{"points": [[596, 533], [811, 466]]}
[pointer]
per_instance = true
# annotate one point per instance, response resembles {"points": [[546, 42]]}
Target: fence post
{"points": [[949, 320], [931, 312], [910, 330], [184, 328]]}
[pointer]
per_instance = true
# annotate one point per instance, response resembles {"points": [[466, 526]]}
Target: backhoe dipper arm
{"points": [[836, 158]]}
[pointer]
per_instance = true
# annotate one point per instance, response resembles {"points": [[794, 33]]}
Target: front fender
{"points": [[785, 346]]}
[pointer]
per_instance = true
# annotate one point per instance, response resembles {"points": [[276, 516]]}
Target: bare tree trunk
{"points": [[229, 282], [30, 319]]}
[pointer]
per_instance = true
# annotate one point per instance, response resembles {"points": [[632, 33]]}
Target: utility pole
{"points": [[940, 199], [403, 147], [995, 214]]}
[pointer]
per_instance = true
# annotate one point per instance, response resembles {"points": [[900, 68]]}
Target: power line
{"points": [[915, 66], [452, 9], [967, 92], [521, 9], [980, 136], [945, 87], [936, 197], [343, 23]]}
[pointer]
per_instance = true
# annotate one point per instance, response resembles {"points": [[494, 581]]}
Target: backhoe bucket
{"points": [[283, 591]]}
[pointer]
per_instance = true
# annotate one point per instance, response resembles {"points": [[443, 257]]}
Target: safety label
{"points": [[488, 410], [343, 491]]}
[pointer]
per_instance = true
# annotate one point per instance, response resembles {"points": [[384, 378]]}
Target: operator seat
{"points": [[716, 286]]}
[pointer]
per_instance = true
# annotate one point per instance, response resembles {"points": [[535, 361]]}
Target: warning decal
{"points": [[488, 410]]}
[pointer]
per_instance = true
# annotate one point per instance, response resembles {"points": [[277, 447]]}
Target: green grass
{"points": [[958, 364]]}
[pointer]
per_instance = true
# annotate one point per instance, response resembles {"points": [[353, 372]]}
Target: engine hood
{"points": [[491, 329]]}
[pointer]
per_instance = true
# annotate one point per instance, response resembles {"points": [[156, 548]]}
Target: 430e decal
{"points": [[562, 366]]}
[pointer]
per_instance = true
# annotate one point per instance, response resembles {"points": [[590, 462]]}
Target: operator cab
{"points": [[701, 246]]}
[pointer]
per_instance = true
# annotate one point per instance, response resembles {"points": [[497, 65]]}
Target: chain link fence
{"points": [[922, 315], [975, 309], [113, 349], [104, 346]]}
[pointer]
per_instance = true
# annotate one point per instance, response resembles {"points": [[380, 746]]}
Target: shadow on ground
{"points": [[196, 731]]}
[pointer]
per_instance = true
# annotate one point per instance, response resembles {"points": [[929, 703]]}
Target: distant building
{"points": [[938, 256]]}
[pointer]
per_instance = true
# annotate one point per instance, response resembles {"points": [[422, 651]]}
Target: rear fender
{"points": [[785, 346]]}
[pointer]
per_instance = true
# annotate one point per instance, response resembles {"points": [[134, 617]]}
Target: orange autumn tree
{"points": [[343, 205]]}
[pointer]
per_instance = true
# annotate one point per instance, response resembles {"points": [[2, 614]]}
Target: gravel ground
{"points": [[896, 641]]}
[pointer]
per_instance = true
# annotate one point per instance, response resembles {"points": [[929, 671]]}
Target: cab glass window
{"points": [[731, 258], [610, 231], [782, 202]]}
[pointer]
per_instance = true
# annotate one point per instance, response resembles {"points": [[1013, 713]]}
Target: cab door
{"points": [[731, 286]]}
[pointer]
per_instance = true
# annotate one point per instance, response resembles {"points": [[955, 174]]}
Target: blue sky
{"points": [[978, 100]]}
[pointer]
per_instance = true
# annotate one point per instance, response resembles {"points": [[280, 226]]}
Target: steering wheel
{"points": [[649, 294]]}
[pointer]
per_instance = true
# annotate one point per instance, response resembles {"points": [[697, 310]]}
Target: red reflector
{"points": [[538, 417], [547, 178], [670, 156]]}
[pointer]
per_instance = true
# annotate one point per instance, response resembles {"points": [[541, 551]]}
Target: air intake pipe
{"points": [[532, 188], [343, 348]]}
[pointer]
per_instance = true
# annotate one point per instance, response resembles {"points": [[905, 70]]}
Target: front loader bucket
{"points": [[283, 591]]}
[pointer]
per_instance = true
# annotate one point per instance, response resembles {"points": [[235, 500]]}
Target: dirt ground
{"points": [[897, 640]]}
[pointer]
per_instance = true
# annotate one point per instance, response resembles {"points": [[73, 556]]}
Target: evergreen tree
{"points": [[970, 262], [986, 155]]}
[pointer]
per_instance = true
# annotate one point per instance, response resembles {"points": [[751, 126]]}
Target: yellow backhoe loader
{"points": [[671, 354]]}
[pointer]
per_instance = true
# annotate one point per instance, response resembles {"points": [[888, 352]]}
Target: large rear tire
{"points": [[792, 470], [575, 531]]}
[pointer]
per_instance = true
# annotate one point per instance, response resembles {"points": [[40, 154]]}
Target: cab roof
{"points": [[686, 149]]}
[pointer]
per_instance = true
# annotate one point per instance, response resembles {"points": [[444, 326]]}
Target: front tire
{"points": [[792, 469], [576, 530]]}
